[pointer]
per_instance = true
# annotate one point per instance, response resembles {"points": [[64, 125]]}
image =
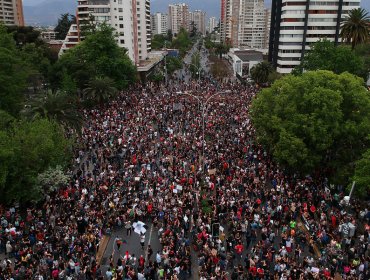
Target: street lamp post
{"points": [[204, 108]]}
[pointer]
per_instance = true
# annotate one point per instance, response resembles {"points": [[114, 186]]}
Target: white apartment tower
{"points": [[212, 24], [159, 23], [130, 19], [199, 19], [296, 24], [252, 24], [243, 23], [11, 12], [178, 16]]}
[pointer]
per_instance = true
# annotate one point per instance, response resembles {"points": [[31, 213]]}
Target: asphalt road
{"points": [[131, 244]]}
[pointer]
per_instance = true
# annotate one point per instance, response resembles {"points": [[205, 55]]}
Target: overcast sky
{"points": [[161, 5]]}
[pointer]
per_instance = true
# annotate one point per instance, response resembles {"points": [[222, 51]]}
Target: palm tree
{"points": [[261, 71], [54, 106], [100, 89], [355, 27]]}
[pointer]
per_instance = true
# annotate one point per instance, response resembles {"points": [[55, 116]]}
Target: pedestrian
{"points": [[128, 227], [142, 240], [149, 252]]}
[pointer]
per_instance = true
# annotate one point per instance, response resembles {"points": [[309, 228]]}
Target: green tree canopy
{"points": [[182, 41], [355, 27], [25, 35], [58, 106], [324, 55], [97, 56], [158, 41], [27, 149], [13, 74], [173, 64], [260, 72], [64, 23], [100, 89], [319, 120], [221, 49], [362, 175]]}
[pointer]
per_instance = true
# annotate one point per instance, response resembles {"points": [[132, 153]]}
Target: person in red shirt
{"points": [[253, 271], [239, 251]]}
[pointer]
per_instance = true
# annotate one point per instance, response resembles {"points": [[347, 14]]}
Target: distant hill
{"points": [[47, 12]]}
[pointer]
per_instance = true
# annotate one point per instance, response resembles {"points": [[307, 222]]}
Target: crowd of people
{"points": [[230, 213]]}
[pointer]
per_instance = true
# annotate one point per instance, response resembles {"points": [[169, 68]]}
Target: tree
{"points": [[355, 27], [158, 41], [25, 35], [27, 149], [88, 26], [363, 51], [59, 107], [64, 23], [13, 74], [362, 175], [173, 64], [221, 49], [182, 41], [98, 55], [261, 72], [193, 29], [169, 35], [100, 90], [316, 121], [324, 55], [52, 179]]}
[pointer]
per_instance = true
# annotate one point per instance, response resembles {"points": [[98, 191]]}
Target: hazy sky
{"points": [[161, 5]]}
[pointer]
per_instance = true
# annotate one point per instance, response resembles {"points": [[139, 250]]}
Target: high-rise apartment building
{"points": [[212, 24], [159, 23], [11, 12], [243, 23], [130, 19], [199, 19], [178, 16], [296, 24]]}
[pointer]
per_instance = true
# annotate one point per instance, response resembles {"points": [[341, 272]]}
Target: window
{"points": [[122, 41], [121, 25], [120, 18], [120, 10]]}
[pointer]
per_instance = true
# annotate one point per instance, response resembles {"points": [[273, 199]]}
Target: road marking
{"points": [[150, 237]]}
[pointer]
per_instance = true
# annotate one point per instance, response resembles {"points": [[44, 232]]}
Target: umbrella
{"points": [[140, 227]]}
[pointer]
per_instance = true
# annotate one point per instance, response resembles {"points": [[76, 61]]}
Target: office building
{"points": [[159, 23], [296, 24], [199, 19], [130, 19], [243, 23], [11, 12], [212, 24], [178, 16]]}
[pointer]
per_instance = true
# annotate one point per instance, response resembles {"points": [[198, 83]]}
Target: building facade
{"points": [[130, 19], [199, 19], [178, 16], [159, 23], [243, 23], [11, 12], [212, 24], [296, 24]]}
